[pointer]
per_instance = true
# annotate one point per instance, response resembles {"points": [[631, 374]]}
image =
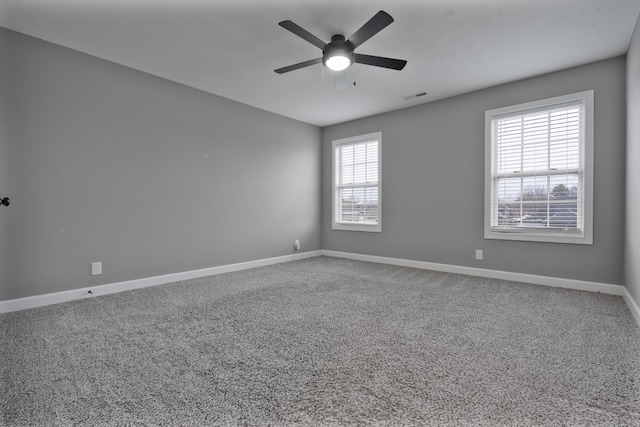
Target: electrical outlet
{"points": [[478, 253], [296, 245], [96, 268]]}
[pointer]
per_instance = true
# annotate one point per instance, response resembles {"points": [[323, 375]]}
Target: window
{"points": [[539, 170], [356, 183]]}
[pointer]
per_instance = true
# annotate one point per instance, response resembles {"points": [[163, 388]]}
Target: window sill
{"points": [[375, 228], [547, 237]]}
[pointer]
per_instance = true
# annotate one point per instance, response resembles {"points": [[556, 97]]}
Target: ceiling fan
{"points": [[339, 54]]}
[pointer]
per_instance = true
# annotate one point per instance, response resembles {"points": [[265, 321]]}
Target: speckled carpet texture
{"points": [[325, 342]]}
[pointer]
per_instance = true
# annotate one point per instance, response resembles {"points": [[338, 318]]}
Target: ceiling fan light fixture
{"points": [[338, 55], [338, 62]]}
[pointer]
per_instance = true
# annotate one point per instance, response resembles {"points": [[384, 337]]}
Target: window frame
{"points": [[585, 175], [367, 227]]}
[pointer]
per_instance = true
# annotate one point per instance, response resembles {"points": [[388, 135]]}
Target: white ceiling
{"points": [[231, 47]]}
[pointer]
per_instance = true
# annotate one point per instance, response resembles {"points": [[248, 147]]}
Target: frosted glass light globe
{"points": [[338, 63]]}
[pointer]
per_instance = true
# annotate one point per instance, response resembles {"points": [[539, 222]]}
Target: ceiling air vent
{"points": [[417, 95]]}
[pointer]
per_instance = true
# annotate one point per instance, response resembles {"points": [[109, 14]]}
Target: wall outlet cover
{"points": [[96, 268]]}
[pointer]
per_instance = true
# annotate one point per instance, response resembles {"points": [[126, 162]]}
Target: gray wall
{"points": [[433, 190], [105, 163], [632, 236]]}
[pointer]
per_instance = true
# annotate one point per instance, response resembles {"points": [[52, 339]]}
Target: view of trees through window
{"points": [[359, 205], [536, 206]]}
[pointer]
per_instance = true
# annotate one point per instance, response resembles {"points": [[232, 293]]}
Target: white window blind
{"points": [[357, 183], [538, 184]]}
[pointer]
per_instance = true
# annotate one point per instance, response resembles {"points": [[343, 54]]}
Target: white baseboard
{"points": [[59, 297], [557, 282], [64, 296]]}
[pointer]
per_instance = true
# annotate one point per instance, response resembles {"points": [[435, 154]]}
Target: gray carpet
{"points": [[325, 341]]}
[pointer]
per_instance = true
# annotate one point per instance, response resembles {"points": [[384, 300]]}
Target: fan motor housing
{"points": [[338, 47]]}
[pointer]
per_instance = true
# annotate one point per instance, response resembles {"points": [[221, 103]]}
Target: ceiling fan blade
{"points": [[379, 61], [379, 21], [302, 33], [298, 66]]}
